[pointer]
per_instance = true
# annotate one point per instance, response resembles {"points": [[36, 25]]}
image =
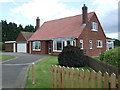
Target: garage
{"points": [[21, 47]]}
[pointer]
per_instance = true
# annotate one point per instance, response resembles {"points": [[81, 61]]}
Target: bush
{"points": [[72, 57], [112, 56], [2, 46]]}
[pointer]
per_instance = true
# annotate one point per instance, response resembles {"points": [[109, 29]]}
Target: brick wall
{"points": [[9, 47], [43, 48], [87, 35]]}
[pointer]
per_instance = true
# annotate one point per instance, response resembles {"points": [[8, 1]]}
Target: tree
{"points": [[29, 28], [10, 31]]}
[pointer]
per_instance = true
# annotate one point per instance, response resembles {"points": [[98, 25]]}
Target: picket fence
{"points": [[78, 78]]}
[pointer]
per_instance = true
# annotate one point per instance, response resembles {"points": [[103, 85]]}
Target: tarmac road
{"points": [[14, 71]]}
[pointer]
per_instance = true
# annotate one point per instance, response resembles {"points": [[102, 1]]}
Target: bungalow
{"points": [[84, 31]]}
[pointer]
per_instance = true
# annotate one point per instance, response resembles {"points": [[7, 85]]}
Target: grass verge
{"points": [[42, 73], [5, 57]]}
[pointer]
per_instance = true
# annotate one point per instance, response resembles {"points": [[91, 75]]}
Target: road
{"points": [[14, 71]]}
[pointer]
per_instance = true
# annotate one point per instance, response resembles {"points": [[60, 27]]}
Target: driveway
{"points": [[14, 71]]}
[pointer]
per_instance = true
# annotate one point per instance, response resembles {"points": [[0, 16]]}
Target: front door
{"points": [[49, 47]]}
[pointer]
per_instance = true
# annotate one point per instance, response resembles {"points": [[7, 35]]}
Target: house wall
{"points": [[9, 47], [43, 48], [87, 35]]}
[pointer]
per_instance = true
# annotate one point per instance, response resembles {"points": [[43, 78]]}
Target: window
{"points": [[70, 42], [90, 44], [58, 45], [81, 44], [99, 43], [94, 26], [36, 46]]}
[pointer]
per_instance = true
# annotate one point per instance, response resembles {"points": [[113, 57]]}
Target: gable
{"points": [[88, 33], [20, 38]]}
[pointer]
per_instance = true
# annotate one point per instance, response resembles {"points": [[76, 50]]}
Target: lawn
{"points": [[42, 73], [5, 57]]}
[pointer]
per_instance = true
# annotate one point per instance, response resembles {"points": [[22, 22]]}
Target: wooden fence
{"points": [[78, 78]]}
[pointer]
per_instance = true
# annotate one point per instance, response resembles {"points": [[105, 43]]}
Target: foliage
{"points": [[112, 56], [2, 46], [10, 30], [116, 43], [5, 57], [72, 57]]}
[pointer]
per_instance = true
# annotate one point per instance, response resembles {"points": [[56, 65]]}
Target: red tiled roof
{"points": [[61, 28]]}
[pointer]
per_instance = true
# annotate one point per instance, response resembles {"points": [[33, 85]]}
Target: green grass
{"points": [[42, 73], [5, 57]]}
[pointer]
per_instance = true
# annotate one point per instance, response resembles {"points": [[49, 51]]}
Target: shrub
{"points": [[112, 56], [72, 57], [2, 46]]}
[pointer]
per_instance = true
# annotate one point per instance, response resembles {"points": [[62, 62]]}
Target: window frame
{"points": [[98, 43], [64, 43], [90, 44], [56, 46], [94, 26], [33, 49], [81, 41]]}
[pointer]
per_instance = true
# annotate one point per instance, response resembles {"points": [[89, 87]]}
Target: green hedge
{"points": [[2, 46], [112, 56]]}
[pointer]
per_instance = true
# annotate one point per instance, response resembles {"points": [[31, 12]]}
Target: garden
{"points": [[43, 68]]}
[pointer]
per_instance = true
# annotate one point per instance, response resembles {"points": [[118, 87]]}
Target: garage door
{"points": [[21, 47]]}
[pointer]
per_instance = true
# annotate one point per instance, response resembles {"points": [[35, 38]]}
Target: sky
{"points": [[25, 12]]}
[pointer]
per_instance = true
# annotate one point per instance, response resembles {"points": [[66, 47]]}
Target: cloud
{"points": [[106, 10], [112, 35], [45, 9]]}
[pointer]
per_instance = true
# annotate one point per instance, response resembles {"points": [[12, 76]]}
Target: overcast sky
{"points": [[25, 11]]}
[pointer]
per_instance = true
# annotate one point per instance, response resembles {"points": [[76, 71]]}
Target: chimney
{"points": [[84, 15], [37, 23]]}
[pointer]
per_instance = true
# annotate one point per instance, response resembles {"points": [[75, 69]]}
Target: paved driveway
{"points": [[14, 71]]}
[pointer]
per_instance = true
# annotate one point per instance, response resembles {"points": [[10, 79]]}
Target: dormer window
{"points": [[94, 26]]}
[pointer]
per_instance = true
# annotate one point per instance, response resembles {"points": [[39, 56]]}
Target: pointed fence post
{"points": [[33, 73]]}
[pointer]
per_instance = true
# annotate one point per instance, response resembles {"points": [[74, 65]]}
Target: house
{"points": [[21, 42], [109, 43], [84, 31]]}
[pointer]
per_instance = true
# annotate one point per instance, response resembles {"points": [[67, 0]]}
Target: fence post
{"points": [[33, 74], [87, 76], [106, 80], [93, 77], [99, 78], [113, 81]]}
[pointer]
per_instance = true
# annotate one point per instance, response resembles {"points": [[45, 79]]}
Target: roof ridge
{"points": [[67, 17]]}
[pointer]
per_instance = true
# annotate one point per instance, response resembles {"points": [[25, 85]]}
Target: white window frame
{"points": [[39, 43], [65, 44], [56, 46], [98, 43], [94, 26], [90, 44], [81, 42]]}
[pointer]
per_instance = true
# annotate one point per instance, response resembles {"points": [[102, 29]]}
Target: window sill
{"points": [[99, 47], [94, 30], [57, 50], [36, 50]]}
